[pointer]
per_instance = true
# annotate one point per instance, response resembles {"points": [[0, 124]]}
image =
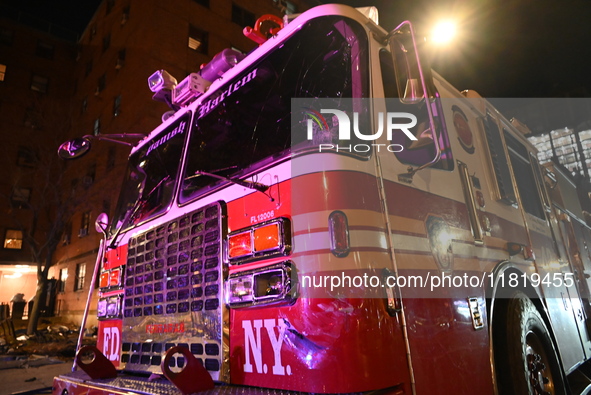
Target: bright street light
{"points": [[443, 32]]}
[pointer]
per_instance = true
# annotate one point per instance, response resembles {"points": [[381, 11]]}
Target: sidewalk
{"points": [[30, 377]]}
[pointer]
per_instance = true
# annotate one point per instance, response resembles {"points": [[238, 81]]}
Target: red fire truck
{"points": [[330, 216]]}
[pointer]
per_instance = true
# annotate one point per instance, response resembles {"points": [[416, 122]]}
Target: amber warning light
{"points": [[258, 241]]}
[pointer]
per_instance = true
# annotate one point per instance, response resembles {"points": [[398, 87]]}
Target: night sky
{"points": [[70, 14], [511, 48]]}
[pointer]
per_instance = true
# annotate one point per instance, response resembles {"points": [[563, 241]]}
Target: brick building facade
{"points": [[105, 88]]}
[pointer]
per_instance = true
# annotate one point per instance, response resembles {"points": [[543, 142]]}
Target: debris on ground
{"points": [[57, 340], [58, 329]]}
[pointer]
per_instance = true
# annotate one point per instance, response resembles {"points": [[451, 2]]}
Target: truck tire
{"points": [[526, 360]]}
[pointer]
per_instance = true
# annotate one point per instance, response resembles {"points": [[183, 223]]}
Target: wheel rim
{"points": [[538, 366]]}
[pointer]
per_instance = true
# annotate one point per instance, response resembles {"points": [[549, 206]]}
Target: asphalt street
{"points": [[28, 378]]}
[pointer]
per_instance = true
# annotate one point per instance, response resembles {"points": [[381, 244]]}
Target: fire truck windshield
{"points": [[245, 125], [148, 187]]}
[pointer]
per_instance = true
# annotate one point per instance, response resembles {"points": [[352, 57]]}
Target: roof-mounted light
{"points": [[162, 84], [161, 80], [189, 89]]}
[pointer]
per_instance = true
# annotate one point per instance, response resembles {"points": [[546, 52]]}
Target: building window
{"points": [[106, 206], [26, 157], [96, 128], [84, 224], [32, 118], [111, 155], [13, 239], [62, 280], [67, 235], [110, 5], [88, 179], [20, 197], [6, 36], [80, 276], [204, 3], [242, 17], [2, 72], [198, 39], [102, 82], [106, 42], [290, 8], [125, 15], [39, 83], [120, 58], [44, 50], [287, 7], [88, 68], [117, 106]]}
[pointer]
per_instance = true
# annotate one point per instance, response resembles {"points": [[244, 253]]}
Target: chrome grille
{"points": [[173, 293]]}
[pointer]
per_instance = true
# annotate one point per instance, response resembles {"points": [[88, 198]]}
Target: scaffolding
{"points": [[572, 150]]}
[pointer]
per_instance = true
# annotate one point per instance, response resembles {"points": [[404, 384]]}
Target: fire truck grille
{"points": [[173, 293]]}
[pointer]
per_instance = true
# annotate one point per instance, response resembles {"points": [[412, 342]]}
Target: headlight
{"points": [[265, 285]]}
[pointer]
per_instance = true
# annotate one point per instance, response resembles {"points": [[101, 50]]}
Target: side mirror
{"points": [[413, 83], [74, 148], [415, 86], [102, 223]]}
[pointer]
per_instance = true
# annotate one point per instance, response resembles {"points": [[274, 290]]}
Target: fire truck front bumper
{"points": [[78, 383]]}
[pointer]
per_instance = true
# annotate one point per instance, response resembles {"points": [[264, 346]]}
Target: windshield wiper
{"points": [[133, 211], [257, 186]]}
